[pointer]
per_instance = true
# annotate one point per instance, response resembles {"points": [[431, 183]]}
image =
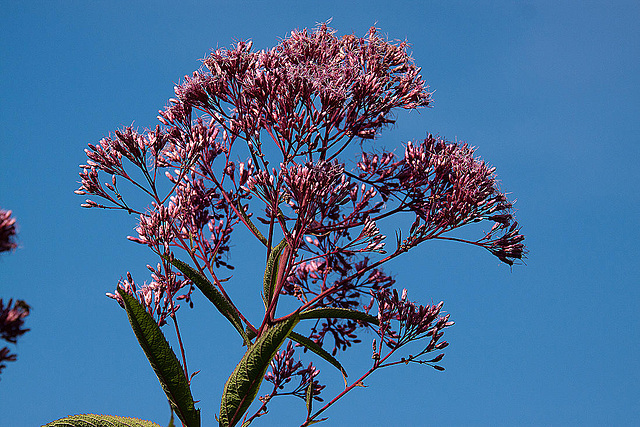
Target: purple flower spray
{"points": [[283, 142]]}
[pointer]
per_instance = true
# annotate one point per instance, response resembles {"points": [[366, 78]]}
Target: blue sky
{"points": [[548, 93]]}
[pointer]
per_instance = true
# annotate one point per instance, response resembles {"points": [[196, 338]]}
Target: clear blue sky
{"points": [[548, 93]]}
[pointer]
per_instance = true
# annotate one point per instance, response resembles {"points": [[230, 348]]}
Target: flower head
{"points": [[11, 326], [7, 231], [12, 319], [284, 368], [412, 322]]}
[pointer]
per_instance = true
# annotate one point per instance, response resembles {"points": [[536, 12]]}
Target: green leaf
{"points": [[339, 313], [315, 347], [309, 397], [243, 384], [163, 360], [253, 228], [250, 333], [271, 272], [92, 420], [214, 295]]}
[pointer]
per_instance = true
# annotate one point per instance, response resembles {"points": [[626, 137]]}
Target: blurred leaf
{"points": [[215, 296], [271, 272], [163, 360], [315, 347], [243, 384], [92, 420], [339, 313]]}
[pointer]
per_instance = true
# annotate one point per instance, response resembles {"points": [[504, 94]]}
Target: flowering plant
{"points": [[12, 314], [258, 139]]}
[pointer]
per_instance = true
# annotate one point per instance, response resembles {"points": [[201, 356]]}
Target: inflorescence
{"points": [[259, 139]]}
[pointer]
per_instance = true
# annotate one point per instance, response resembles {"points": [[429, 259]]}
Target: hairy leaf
{"points": [[339, 313], [163, 360], [315, 347], [271, 272], [92, 420], [243, 384], [215, 296]]}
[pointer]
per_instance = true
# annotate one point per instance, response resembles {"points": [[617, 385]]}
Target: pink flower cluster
{"points": [[156, 297], [284, 368], [11, 326], [7, 231], [446, 188], [11, 315], [414, 322]]}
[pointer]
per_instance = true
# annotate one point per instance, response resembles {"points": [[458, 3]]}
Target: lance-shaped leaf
{"points": [[163, 360], [271, 272], [338, 313], [251, 225], [171, 423], [315, 347], [243, 384], [215, 296], [91, 420], [309, 397]]}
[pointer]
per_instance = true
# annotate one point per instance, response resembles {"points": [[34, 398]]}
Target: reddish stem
{"points": [[184, 358], [356, 383]]}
